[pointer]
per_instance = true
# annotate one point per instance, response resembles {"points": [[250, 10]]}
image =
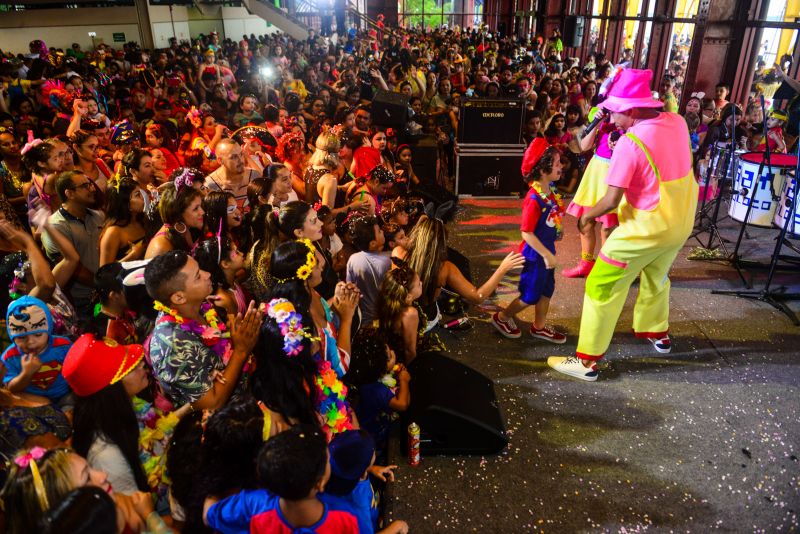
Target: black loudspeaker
{"points": [[573, 31], [455, 407], [424, 156], [389, 109], [490, 122], [489, 172]]}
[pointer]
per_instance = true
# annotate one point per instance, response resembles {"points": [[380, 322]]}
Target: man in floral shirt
{"points": [[195, 358]]}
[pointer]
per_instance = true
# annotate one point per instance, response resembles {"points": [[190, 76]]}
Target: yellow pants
{"points": [[607, 289]]}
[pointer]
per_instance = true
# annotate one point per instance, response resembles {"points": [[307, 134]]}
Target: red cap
{"points": [[533, 154], [92, 364]]}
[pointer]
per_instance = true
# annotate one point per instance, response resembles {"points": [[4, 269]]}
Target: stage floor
{"points": [[707, 437]]}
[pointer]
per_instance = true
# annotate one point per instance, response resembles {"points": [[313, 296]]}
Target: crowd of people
{"points": [[219, 267]]}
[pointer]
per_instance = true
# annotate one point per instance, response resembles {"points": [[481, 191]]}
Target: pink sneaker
{"points": [[548, 334], [508, 327], [581, 270]]}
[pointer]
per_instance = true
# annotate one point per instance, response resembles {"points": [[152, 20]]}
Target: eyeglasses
{"points": [[84, 185]]}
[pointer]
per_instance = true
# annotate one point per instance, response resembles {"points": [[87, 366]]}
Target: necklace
{"points": [[213, 334], [553, 200], [16, 181], [331, 400]]}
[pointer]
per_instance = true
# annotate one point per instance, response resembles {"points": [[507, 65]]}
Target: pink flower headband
{"points": [[28, 459], [32, 142]]}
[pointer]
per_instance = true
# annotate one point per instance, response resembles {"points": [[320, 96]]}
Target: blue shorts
{"points": [[536, 281]]}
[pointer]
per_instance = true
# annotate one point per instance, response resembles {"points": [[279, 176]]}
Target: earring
{"points": [[182, 229]]}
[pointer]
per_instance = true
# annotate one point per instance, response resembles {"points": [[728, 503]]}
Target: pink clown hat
{"points": [[631, 89]]}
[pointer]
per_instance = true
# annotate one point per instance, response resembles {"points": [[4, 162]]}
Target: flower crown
{"points": [[195, 116], [304, 271], [286, 317]]}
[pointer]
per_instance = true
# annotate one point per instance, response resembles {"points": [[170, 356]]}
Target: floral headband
{"points": [[286, 317], [184, 179], [28, 460], [19, 278], [195, 116], [304, 271]]}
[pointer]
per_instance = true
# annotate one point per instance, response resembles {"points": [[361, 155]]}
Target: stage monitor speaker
{"points": [[424, 156], [455, 407], [573, 31], [490, 122], [489, 172], [389, 109]]}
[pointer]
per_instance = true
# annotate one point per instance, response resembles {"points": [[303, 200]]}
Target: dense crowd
{"points": [[219, 266]]}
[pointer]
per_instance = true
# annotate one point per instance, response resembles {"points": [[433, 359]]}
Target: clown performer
{"points": [[591, 189], [651, 185]]}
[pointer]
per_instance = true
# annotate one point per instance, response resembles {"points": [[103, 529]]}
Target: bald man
{"points": [[232, 175]]}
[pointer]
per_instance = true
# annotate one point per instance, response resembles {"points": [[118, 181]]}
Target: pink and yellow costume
{"points": [[653, 163]]}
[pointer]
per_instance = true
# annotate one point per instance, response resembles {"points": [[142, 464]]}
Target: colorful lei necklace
{"points": [[553, 200], [213, 335], [330, 401]]}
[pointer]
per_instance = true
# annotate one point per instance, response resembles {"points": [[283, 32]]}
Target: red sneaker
{"points": [[508, 327], [581, 270], [548, 334]]}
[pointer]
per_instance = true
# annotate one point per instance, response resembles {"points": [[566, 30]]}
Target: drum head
{"points": [[776, 160]]}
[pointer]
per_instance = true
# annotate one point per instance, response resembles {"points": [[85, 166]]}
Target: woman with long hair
{"points": [[27, 498], [281, 175], [220, 257], [400, 319], [222, 215], [123, 235], [296, 268], [427, 256], [181, 213], [294, 220], [319, 181], [84, 146], [107, 379]]}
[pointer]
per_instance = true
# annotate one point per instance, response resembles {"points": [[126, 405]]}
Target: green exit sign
{"points": [[119, 37]]}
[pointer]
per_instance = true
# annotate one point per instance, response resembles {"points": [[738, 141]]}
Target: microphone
{"points": [[592, 125]]}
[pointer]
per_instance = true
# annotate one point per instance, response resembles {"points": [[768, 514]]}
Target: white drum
{"points": [[767, 185], [788, 194]]}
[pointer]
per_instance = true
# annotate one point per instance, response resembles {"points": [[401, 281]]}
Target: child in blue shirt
{"points": [[293, 469], [352, 459], [542, 212], [379, 386], [34, 359]]}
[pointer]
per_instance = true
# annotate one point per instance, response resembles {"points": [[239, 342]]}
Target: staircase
{"points": [[278, 17]]}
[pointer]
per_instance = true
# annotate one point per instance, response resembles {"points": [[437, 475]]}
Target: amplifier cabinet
{"points": [[490, 122], [491, 172]]}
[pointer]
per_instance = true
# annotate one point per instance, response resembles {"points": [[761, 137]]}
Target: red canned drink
{"points": [[413, 444]]}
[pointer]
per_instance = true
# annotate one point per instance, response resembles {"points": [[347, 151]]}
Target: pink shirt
{"points": [[667, 140]]}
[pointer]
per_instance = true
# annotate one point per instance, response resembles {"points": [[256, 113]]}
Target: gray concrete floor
{"points": [[705, 438]]}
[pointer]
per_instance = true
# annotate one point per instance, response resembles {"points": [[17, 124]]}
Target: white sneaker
{"points": [[572, 366], [663, 345]]}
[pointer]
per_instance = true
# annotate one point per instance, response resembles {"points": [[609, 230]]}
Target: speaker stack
{"points": [[490, 148]]}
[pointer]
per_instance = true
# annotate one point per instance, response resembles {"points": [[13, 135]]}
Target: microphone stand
{"points": [[776, 298]]}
